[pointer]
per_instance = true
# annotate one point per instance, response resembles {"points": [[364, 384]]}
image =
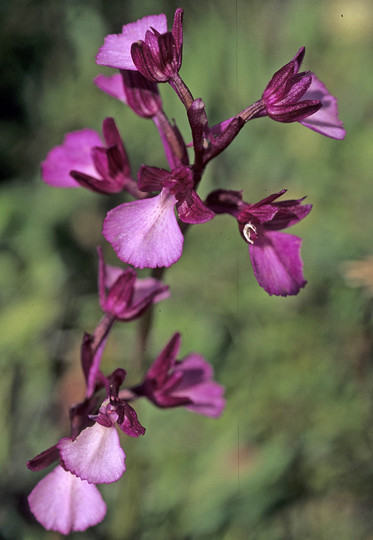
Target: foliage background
{"points": [[292, 456]]}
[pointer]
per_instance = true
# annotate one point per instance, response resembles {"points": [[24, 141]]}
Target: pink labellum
{"points": [[95, 455], [64, 503]]}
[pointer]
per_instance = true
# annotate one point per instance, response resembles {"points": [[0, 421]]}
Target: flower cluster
{"points": [[148, 232]]}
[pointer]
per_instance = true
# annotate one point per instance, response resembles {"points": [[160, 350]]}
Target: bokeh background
{"points": [[292, 456]]}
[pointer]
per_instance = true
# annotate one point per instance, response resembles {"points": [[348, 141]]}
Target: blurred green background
{"points": [[292, 456]]}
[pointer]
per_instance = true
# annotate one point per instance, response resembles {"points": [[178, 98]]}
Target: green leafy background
{"points": [[292, 456]]}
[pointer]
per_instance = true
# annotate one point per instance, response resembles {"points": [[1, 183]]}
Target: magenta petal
{"points": [[116, 50], [277, 264], [95, 455], [111, 85], [198, 385], [73, 154], [145, 233], [325, 120], [64, 503]]}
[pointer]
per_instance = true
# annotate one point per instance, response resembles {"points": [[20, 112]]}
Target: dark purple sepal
{"points": [[180, 182], [275, 89], [275, 214], [144, 62], [296, 88], [44, 459], [225, 201], [151, 178], [192, 210], [120, 293], [277, 86], [86, 356], [141, 94], [165, 401], [294, 113], [263, 213], [128, 421], [113, 138], [97, 185], [166, 360]]}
